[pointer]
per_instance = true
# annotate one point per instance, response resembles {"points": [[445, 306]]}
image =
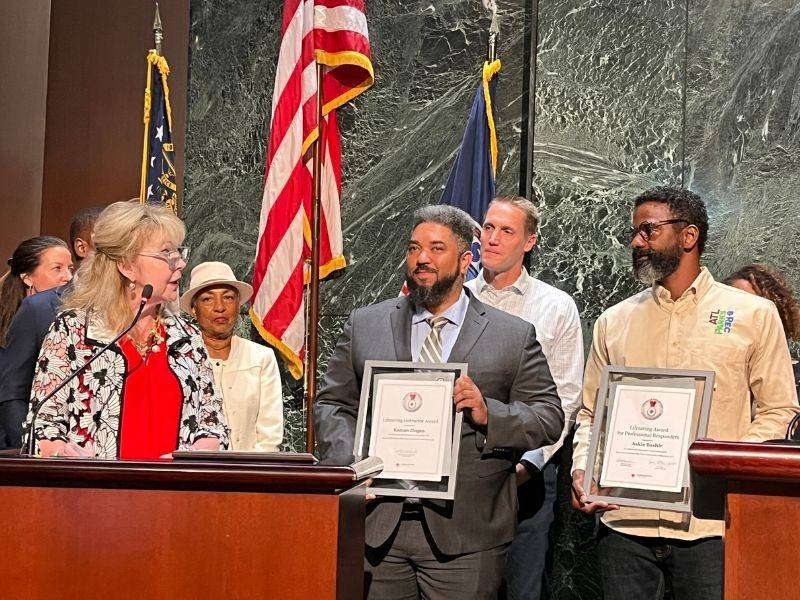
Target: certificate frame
{"points": [[443, 489], [613, 382]]}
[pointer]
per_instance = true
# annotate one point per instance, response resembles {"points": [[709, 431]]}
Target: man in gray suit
{"points": [[437, 549]]}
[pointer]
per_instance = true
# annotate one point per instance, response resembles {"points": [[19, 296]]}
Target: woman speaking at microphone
{"points": [[153, 391]]}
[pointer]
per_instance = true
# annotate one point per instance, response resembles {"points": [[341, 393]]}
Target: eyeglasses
{"points": [[171, 257], [647, 229]]}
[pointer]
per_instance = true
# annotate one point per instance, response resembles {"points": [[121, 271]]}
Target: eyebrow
{"points": [[416, 243]]}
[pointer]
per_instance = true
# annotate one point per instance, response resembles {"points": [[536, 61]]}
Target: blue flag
{"points": [[471, 183], [158, 157]]}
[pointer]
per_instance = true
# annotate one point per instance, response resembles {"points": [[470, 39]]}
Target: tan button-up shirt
{"points": [[711, 327]]}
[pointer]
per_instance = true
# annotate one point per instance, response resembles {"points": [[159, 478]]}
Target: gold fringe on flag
{"points": [[153, 58]]}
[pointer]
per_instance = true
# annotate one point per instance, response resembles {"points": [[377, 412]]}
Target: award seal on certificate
{"points": [[412, 401], [409, 435], [652, 409]]}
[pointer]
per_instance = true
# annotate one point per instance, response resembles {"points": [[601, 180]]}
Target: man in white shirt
{"points": [[509, 231]]}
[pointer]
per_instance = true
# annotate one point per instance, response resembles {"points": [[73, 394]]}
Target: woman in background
{"points": [[38, 264], [768, 283], [153, 391], [246, 373]]}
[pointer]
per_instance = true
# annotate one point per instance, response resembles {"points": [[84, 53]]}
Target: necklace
{"points": [[152, 342]]}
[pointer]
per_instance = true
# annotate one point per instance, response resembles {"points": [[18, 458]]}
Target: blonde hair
{"points": [[120, 233], [526, 206]]}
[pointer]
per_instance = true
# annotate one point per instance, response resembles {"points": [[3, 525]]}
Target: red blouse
{"points": [[151, 405]]}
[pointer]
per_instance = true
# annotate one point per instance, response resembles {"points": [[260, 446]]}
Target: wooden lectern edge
{"points": [[174, 475], [745, 460]]}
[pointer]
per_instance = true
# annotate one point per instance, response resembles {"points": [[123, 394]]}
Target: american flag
{"points": [[158, 157], [332, 33]]}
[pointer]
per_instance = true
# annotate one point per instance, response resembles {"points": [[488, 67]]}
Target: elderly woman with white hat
{"points": [[245, 373]]}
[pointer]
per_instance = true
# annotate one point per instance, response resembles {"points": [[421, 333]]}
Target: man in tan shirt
{"points": [[676, 324]]}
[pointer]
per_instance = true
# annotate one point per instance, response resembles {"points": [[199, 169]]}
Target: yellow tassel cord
{"points": [[153, 59], [145, 145], [489, 71], [161, 64]]}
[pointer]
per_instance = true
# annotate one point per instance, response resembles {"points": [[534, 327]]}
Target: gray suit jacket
{"points": [[508, 366]]}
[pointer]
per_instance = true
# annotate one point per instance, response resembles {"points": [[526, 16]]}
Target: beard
{"points": [[650, 266], [427, 296]]}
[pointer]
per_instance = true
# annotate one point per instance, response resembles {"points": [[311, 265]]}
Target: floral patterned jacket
{"points": [[87, 411]]}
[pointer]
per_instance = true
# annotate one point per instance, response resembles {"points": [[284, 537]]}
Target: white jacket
{"points": [[250, 386]]}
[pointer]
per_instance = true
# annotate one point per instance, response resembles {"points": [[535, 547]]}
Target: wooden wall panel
{"points": [[24, 31], [71, 116], [97, 73]]}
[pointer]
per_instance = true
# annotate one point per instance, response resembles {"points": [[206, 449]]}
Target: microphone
{"points": [[147, 293]]}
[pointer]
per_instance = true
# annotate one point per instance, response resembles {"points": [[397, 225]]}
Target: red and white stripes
{"points": [[332, 33]]}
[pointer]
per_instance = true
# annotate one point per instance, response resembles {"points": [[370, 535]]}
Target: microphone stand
{"points": [[147, 292]]}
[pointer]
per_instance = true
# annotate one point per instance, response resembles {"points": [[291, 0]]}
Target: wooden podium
{"points": [[762, 515], [91, 529]]}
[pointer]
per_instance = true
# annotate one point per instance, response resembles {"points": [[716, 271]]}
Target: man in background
{"points": [[80, 233], [509, 231]]}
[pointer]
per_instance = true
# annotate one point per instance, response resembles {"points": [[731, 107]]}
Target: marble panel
{"points": [[608, 124], [743, 130], [572, 570], [233, 53], [401, 137]]}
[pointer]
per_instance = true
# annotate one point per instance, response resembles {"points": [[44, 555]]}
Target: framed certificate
{"points": [[644, 422], [407, 419], [410, 421]]}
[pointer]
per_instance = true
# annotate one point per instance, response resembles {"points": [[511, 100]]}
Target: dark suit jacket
{"points": [[508, 366], [23, 342]]}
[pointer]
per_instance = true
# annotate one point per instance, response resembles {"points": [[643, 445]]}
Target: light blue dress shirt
{"points": [[420, 327]]}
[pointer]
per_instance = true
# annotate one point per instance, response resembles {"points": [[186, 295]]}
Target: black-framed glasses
{"points": [[647, 228], [171, 257]]}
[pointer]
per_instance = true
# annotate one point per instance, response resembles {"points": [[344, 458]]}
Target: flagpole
{"points": [[494, 29], [312, 336], [158, 31], [158, 36]]}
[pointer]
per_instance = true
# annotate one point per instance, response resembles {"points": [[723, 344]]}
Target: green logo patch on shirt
{"points": [[722, 320]]}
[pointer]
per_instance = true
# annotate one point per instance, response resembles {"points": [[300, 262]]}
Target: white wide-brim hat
{"points": [[209, 274]]}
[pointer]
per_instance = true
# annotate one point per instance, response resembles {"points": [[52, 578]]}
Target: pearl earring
{"points": [[132, 285]]}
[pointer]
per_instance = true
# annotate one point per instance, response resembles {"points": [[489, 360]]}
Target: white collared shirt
{"points": [[554, 315]]}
